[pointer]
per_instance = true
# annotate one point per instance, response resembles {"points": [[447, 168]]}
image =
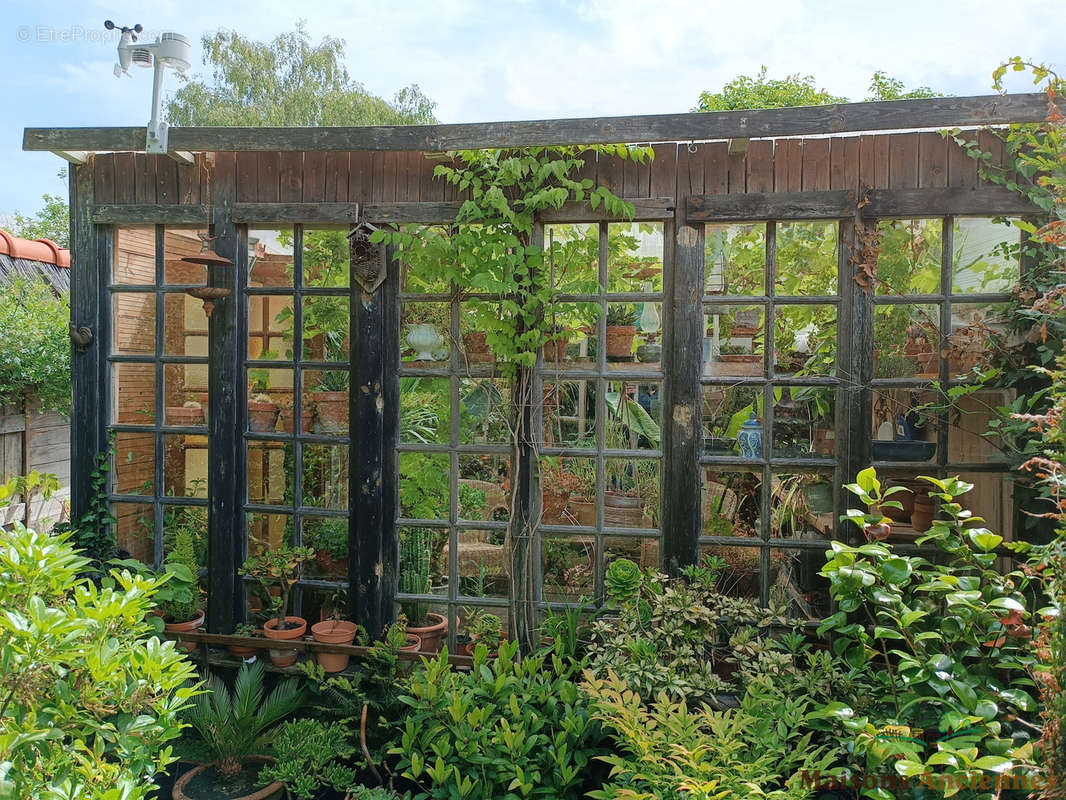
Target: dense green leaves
{"points": [[34, 344]]}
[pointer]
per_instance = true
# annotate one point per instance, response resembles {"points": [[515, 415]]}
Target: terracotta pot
{"points": [[272, 791], [476, 349], [414, 644], [185, 417], [262, 417], [928, 363], [430, 635], [331, 412], [553, 507], [922, 515], [555, 349], [583, 510], [330, 565], [185, 627], [622, 510], [286, 416], [620, 340], [285, 658], [334, 632], [242, 651], [825, 440], [905, 499]]}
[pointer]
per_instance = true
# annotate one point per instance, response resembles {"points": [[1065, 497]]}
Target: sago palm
{"points": [[236, 725]]}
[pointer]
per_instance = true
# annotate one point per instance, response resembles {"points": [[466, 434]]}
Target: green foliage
{"points": [[945, 643], [183, 566], [507, 729], [34, 344], [88, 698], [178, 596], [311, 755], [882, 87], [622, 581], [234, 725], [280, 567], [28, 486], [761, 92], [667, 751], [415, 546], [286, 81], [93, 533], [51, 221]]}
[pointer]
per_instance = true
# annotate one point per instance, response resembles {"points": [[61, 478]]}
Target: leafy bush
{"points": [[506, 729], [945, 643], [88, 699], [667, 751], [34, 344], [311, 755]]}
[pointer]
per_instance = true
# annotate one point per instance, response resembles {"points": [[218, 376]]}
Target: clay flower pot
{"points": [[334, 631], [623, 510], [286, 417], [923, 513], [430, 635], [620, 340], [476, 349], [331, 411], [297, 628], [273, 791], [185, 627], [184, 417], [262, 416], [414, 644], [242, 651]]}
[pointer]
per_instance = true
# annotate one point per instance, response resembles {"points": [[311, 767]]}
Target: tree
{"points": [[52, 221], [883, 87], [286, 81]]}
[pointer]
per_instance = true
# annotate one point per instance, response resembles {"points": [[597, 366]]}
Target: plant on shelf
{"points": [[234, 731], [430, 627], [262, 410], [89, 697], [280, 569], [621, 330], [557, 484], [245, 630], [331, 401]]}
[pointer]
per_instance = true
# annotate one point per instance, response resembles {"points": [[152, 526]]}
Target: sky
{"points": [[484, 60]]}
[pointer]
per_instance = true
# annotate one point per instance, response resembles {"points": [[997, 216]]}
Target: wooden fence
{"points": [[32, 440]]}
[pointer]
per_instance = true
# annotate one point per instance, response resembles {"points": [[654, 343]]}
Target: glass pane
{"points": [[985, 257], [906, 340], [326, 258], [803, 421], [134, 464], [185, 465], [805, 338], [326, 392], [270, 473], [423, 565], [908, 261], [904, 425], [425, 410], [329, 537], [185, 394], [736, 567], [424, 485], [484, 411], [978, 334], [481, 624], [420, 275], [483, 563], [730, 502], [634, 414], [134, 262], [483, 489], [801, 506], [806, 254], [970, 440], [270, 327], [184, 325], [570, 413], [325, 478], [635, 257], [424, 333], [186, 523], [725, 410], [133, 393], [135, 530], [642, 550], [733, 344], [270, 257], [568, 491], [623, 328], [573, 255], [797, 584], [572, 337], [133, 323], [269, 390], [736, 259], [631, 499], [326, 323], [180, 243], [568, 565]]}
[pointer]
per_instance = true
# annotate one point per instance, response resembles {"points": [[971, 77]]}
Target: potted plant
{"points": [[717, 443], [329, 537], [286, 418], [241, 651], [188, 415], [334, 631], [312, 756], [331, 402], [262, 410], [621, 330], [280, 568], [428, 626], [486, 629], [179, 598], [234, 730], [557, 485]]}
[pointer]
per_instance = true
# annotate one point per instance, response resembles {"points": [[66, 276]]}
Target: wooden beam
{"points": [[955, 200], [72, 156], [934, 112], [183, 157], [738, 147], [148, 214], [838, 204]]}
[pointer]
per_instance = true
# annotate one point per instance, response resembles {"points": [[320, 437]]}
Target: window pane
{"points": [[134, 464], [572, 258], [631, 499], [325, 478], [326, 258], [186, 522], [909, 257], [185, 394], [133, 393], [180, 243], [737, 567], [270, 257], [733, 344], [634, 414], [329, 537], [269, 390], [184, 325], [568, 564], [642, 550], [572, 337], [570, 413], [185, 465], [425, 410], [985, 257], [905, 424], [268, 532], [134, 262], [483, 562], [484, 411], [270, 327], [270, 473], [736, 259], [906, 340], [424, 485], [635, 257], [806, 254], [484, 492], [803, 421], [978, 334], [135, 530], [424, 334], [421, 275], [568, 491], [326, 392], [326, 324], [133, 323], [725, 410], [805, 338], [801, 506]]}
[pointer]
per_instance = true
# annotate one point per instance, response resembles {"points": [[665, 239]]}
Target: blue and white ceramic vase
{"points": [[749, 438]]}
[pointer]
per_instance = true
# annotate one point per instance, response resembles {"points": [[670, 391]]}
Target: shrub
{"points": [[506, 729], [88, 699], [311, 755], [34, 344]]}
